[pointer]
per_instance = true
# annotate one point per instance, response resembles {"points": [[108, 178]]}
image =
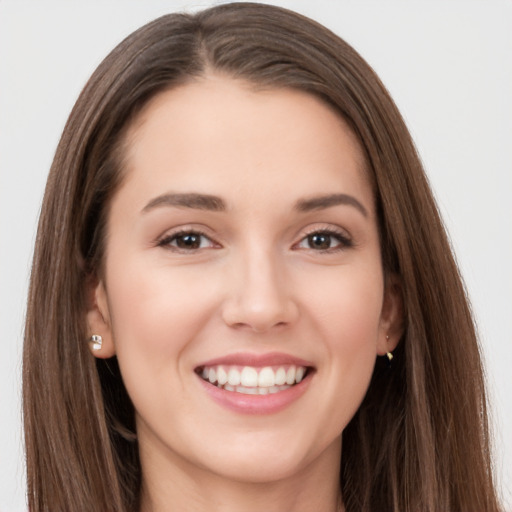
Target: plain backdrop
{"points": [[447, 64]]}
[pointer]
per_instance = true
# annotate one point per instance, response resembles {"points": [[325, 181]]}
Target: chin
{"points": [[259, 470], [267, 459]]}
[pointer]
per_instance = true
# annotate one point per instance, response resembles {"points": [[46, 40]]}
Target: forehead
{"points": [[219, 131]]}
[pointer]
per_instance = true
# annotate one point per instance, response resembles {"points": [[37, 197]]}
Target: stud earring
{"points": [[95, 342], [389, 355]]}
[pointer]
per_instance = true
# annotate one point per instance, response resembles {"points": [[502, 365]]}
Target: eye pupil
{"points": [[319, 241], [189, 241]]}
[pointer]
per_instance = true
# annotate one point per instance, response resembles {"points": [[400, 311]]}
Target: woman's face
{"points": [[243, 292]]}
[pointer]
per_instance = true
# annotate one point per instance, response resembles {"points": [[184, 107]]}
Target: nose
{"points": [[260, 296]]}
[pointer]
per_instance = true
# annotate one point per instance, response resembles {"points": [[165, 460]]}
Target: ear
{"points": [[98, 319], [391, 325]]}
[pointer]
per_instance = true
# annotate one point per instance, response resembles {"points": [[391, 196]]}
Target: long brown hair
{"points": [[419, 441]]}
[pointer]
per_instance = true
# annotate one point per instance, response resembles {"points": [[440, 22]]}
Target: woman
{"points": [[241, 210]]}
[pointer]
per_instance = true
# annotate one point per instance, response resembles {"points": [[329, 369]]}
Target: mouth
{"points": [[253, 380]]}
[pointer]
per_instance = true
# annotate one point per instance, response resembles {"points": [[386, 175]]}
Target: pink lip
{"points": [[257, 360], [256, 404]]}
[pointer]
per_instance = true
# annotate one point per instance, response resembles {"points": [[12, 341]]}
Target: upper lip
{"points": [[257, 360]]}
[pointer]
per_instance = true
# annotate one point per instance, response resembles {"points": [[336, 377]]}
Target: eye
{"points": [[187, 241], [325, 240]]}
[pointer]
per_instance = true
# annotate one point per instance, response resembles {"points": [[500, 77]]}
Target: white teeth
{"points": [[222, 376], [266, 377], [249, 377], [280, 377], [256, 391], [233, 377], [290, 376], [247, 391], [252, 380]]}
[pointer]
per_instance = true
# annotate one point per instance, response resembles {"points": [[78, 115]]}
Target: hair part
{"points": [[429, 450]]}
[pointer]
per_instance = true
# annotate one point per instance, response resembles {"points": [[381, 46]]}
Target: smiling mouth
{"points": [[252, 380]]}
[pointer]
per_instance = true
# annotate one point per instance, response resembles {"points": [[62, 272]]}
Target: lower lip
{"points": [[256, 404]]}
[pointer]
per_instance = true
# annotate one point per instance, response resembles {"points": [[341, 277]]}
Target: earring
{"points": [[95, 342], [389, 355]]}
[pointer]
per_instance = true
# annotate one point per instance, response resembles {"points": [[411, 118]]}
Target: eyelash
{"points": [[344, 241], [168, 239]]}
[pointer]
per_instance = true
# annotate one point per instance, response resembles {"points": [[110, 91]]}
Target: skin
{"points": [[257, 284]]}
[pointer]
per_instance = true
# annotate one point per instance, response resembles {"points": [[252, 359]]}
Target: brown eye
{"points": [[187, 241], [325, 241], [321, 241]]}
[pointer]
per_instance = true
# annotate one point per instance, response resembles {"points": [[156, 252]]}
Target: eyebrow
{"points": [[191, 200], [217, 204], [327, 201]]}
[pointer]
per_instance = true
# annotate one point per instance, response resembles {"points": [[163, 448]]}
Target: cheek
{"points": [[156, 312], [347, 305], [346, 314]]}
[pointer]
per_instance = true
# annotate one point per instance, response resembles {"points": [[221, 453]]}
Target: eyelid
{"points": [[165, 239], [341, 234]]}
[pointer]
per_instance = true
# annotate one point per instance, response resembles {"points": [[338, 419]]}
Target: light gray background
{"points": [[448, 65]]}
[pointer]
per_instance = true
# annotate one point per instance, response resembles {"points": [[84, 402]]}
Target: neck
{"points": [[174, 485]]}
